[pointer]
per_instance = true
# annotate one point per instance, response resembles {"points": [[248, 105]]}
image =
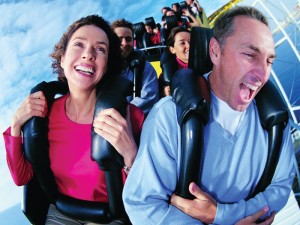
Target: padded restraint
{"points": [[274, 118], [112, 94], [199, 59], [139, 30], [193, 115], [36, 149], [168, 65], [35, 134], [137, 62]]}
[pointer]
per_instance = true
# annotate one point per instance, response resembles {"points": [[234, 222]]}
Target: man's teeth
{"points": [[85, 69], [252, 87]]}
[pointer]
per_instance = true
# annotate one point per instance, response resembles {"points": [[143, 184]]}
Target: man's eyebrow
{"points": [[256, 49]]}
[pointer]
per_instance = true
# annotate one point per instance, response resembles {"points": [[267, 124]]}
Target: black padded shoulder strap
{"points": [[111, 95], [274, 118], [137, 63], [168, 65], [36, 149], [36, 144], [192, 116]]}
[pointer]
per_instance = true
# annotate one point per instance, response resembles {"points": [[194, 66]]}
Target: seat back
{"points": [[139, 30], [199, 59], [150, 21], [171, 22]]}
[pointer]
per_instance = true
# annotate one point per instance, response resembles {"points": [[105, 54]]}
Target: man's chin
{"points": [[126, 53]]}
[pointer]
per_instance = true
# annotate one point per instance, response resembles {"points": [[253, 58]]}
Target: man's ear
{"points": [[214, 50], [172, 50]]}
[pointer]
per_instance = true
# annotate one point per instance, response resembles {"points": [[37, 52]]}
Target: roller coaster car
{"points": [[273, 115]]}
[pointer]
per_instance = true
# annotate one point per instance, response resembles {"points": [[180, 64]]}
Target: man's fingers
{"points": [[197, 192], [269, 220], [178, 201], [260, 213]]}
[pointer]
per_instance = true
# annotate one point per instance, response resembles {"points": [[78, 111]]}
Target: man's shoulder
{"points": [[165, 105]]}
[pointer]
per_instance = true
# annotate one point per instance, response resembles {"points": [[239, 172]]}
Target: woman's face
{"points": [[181, 46], [85, 59]]}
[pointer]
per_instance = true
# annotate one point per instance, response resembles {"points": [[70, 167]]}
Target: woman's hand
{"points": [[110, 125], [202, 208], [34, 105], [251, 220]]}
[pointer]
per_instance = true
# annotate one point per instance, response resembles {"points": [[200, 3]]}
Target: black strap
{"points": [[111, 95], [137, 63], [36, 150], [192, 115], [274, 118]]}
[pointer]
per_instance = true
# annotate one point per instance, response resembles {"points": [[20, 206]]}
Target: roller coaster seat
{"points": [[139, 30], [150, 21], [171, 22]]}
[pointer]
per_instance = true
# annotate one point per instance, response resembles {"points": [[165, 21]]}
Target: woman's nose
{"points": [[89, 54]]}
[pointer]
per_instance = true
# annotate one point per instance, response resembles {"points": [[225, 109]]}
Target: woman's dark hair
{"points": [[114, 55], [174, 31]]}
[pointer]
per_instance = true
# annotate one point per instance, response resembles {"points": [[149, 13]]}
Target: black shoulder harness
{"points": [[137, 63], [42, 190], [194, 114]]}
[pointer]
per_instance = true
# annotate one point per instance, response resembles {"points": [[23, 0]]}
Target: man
{"points": [[235, 144], [147, 83]]}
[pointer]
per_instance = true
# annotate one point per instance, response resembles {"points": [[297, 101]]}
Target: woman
{"points": [[85, 56], [178, 45]]}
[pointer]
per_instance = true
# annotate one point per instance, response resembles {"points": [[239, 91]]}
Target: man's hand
{"points": [[250, 220], [202, 208]]}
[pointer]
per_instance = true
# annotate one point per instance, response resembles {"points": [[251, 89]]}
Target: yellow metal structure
{"points": [[212, 18], [156, 65]]}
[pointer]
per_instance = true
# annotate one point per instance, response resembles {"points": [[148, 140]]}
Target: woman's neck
{"points": [[80, 108]]}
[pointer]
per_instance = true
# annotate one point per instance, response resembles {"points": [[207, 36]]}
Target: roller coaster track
{"points": [[218, 12]]}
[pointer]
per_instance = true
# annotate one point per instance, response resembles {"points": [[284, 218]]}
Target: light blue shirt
{"points": [[233, 164], [149, 90]]}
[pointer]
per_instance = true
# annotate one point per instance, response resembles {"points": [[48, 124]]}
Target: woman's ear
{"points": [[172, 50], [62, 61], [214, 50]]}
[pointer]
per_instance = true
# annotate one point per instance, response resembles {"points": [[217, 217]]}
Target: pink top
{"points": [[70, 155], [181, 64]]}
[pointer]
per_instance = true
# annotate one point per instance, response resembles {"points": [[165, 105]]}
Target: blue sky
{"points": [[28, 32]]}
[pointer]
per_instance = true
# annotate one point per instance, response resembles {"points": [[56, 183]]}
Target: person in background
{"points": [[175, 7], [165, 9], [148, 84], [235, 145], [85, 56], [154, 37], [178, 45], [195, 9]]}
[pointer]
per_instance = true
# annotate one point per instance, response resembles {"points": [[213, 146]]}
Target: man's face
{"points": [[244, 64], [126, 38]]}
